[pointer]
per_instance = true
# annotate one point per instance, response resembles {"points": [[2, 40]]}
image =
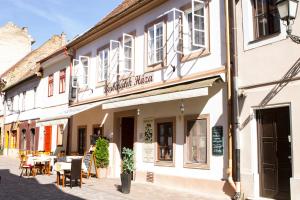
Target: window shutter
{"points": [[114, 58], [198, 23]]}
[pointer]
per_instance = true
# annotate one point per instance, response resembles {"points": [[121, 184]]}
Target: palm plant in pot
{"points": [[127, 169], [102, 156]]}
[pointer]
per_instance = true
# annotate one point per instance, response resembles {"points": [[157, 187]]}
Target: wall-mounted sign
{"points": [[148, 146], [128, 82], [217, 141]]}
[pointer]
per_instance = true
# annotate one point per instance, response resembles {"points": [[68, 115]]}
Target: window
{"points": [[155, 44], [32, 139], [85, 69], [128, 52], [97, 132], [24, 101], [62, 81], [11, 104], [60, 133], [266, 20], [196, 27], [23, 139], [165, 140], [196, 141], [103, 65], [34, 97], [50, 85], [13, 141], [195, 30]]}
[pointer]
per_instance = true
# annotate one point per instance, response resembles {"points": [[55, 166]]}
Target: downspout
{"points": [[229, 98], [233, 104], [68, 147], [236, 119]]}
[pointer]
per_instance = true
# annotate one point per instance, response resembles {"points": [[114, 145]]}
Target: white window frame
{"points": [[23, 101], [101, 68], [75, 73], [179, 30], [154, 51], [114, 58], [194, 29], [34, 97], [125, 40], [85, 70], [248, 29]]}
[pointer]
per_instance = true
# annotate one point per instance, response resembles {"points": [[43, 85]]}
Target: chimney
{"points": [[25, 29], [63, 38]]}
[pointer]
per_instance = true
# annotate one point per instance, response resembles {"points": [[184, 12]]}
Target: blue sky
{"points": [[47, 17]]}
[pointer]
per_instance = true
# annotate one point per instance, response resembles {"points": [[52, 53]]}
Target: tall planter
{"points": [[102, 154], [126, 183], [127, 169]]}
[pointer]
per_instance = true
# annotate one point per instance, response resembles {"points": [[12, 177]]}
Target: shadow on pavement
{"points": [[14, 187]]}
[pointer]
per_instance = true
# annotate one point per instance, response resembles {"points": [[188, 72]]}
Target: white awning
{"points": [[70, 111], [181, 91]]}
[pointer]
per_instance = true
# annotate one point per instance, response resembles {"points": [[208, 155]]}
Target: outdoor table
{"points": [[48, 160], [62, 167]]}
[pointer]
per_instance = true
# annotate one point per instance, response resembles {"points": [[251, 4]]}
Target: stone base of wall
{"points": [[295, 185], [10, 152], [211, 188]]}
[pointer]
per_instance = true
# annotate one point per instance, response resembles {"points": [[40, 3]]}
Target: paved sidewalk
{"points": [[44, 187]]}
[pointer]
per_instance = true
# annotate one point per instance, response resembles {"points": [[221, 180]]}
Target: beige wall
{"points": [[260, 62], [213, 105], [15, 43]]}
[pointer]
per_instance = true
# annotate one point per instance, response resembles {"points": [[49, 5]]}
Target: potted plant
{"points": [[102, 156], [127, 169]]}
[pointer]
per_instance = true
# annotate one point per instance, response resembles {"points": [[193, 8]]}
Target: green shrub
{"points": [[128, 161], [102, 153]]}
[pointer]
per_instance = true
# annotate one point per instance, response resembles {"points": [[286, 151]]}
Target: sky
{"points": [[45, 18]]}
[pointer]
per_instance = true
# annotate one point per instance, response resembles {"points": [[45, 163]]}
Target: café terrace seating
{"points": [[75, 173]]}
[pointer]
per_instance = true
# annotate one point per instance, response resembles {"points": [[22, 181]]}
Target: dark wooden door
{"points": [[48, 138], [274, 152], [81, 140], [127, 132]]}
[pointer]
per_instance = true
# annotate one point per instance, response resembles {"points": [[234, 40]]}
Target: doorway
{"points": [[274, 142], [127, 132], [48, 138], [81, 140]]}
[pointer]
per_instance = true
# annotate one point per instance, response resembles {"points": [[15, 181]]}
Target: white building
{"points": [[268, 72], [54, 95], [22, 103], [149, 85]]}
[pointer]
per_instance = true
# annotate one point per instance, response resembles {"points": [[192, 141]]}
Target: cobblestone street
{"points": [[44, 187]]}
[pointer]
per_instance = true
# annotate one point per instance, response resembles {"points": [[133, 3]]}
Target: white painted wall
{"points": [[215, 60], [213, 104]]}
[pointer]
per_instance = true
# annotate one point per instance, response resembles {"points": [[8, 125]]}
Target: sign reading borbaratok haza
{"points": [[128, 82]]}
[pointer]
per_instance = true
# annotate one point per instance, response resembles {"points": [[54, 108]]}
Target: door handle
{"points": [[290, 157]]}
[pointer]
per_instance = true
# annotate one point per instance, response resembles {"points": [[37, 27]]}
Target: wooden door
{"points": [[274, 152], [81, 140], [48, 138], [127, 131]]}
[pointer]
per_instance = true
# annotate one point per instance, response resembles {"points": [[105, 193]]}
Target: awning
{"points": [[67, 113], [175, 92]]}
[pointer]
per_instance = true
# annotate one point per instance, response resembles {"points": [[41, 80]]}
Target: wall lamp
{"points": [[288, 11]]}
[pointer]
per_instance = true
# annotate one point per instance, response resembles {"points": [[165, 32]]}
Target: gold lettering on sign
{"points": [[128, 82]]}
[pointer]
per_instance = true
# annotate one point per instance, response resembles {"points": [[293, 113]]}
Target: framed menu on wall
{"points": [[148, 145]]}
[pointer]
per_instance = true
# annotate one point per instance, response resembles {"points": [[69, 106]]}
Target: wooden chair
{"points": [[26, 167], [75, 172]]}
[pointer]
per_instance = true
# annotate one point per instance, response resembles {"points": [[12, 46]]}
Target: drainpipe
{"points": [[232, 89], [236, 119]]}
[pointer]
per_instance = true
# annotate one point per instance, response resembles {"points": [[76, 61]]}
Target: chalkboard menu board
{"points": [[217, 141], [89, 162]]}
